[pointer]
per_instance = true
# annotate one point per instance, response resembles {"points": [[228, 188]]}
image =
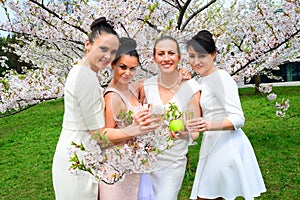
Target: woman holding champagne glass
{"points": [[227, 166], [120, 97], [167, 175]]}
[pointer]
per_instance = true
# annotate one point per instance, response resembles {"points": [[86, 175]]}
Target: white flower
{"points": [[280, 113], [271, 96]]}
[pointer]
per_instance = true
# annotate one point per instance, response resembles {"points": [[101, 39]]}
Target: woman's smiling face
{"points": [[167, 55], [102, 51], [201, 63], [125, 68]]}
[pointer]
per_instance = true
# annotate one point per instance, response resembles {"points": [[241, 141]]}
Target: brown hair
{"points": [[166, 38], [99, 26], [203, 42]]}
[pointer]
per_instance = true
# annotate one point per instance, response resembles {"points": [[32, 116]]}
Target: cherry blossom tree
{"points": [[252, 38]]}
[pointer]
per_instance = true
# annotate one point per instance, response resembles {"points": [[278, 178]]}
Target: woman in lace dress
{"points": [[227, 165], [121, 97]]}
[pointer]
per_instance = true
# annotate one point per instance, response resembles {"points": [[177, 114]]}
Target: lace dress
{"points": [[134, 186]]}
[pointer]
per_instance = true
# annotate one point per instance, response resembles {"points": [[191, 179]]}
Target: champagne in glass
{"points": [[157, 111], [187, 116], [146, 104]]}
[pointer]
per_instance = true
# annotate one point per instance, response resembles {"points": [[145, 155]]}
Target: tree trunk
{"points": [[257, 80]]}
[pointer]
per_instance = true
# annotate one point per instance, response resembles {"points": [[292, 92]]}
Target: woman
{"points": [[121, 97], [227, 165], [84, 113], [167, 175]]}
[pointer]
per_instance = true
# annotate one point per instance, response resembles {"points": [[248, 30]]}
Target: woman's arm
{"points": [[226, 92], [234, 116], [194, 105], [109, 136], [113, 106]]}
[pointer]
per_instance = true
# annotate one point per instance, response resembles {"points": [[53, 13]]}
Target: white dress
{"points": [[84, 111], [167, 175], [227, 164]]}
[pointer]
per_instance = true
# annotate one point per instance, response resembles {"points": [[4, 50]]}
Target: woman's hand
{"points": [[183, 135], [185, 74], [140, 116], [197, 125], [145, 121]]}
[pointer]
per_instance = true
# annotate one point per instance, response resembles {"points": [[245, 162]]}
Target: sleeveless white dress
{"points": [[134, 186], [84, 111], [227, 164], [167, 175]]}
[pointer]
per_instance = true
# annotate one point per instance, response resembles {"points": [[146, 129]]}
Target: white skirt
{"points": [[227, 167], [167, 181], [66, 185]]}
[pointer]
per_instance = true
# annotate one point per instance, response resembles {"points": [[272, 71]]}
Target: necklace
{"points": [[168, 87]]}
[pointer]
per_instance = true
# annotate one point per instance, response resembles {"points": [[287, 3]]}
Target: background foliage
{"points": [[253, 37]]}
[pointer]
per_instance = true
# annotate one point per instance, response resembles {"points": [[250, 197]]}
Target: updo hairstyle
{"points": [[99, 26], [203, 42], [127, 47]]}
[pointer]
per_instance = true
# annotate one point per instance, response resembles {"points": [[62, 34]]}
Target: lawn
{"points": [[28, 140]]}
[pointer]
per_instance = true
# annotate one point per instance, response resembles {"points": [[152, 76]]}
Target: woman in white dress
{"points": [[167, 175], [84, 114], [227, 166]]}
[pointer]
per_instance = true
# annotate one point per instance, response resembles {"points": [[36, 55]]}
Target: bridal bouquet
{"points": [[137, 155]]}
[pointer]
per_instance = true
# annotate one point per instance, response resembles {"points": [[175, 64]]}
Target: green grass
{"points": [[28, 140]]}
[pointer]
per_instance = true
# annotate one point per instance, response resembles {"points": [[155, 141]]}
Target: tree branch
{"points": [[181, 13], [25, 108], [179, 5], [123, 27], [239, 45], [57, 16], [171, 4], [149, 23], [194, 14], [269, 50]]}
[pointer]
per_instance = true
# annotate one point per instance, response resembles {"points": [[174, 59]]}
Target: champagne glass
{"points": [[187, 116], [157, 111], [146, 104]]}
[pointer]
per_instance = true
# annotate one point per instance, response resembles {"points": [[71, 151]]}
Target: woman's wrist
{"points": [[207, 125]]}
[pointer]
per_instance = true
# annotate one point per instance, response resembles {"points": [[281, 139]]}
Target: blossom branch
{"points": [[192, 16], [149, 23], [28, 106], [57, 16], [265, 52], [174, 6], [123, 27], [239, 46], [181, 13], [178, 4]]}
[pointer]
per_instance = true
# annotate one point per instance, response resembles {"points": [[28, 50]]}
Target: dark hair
{"points": [[99, 26], [203, 42], [166, 38], [127, 47]]}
